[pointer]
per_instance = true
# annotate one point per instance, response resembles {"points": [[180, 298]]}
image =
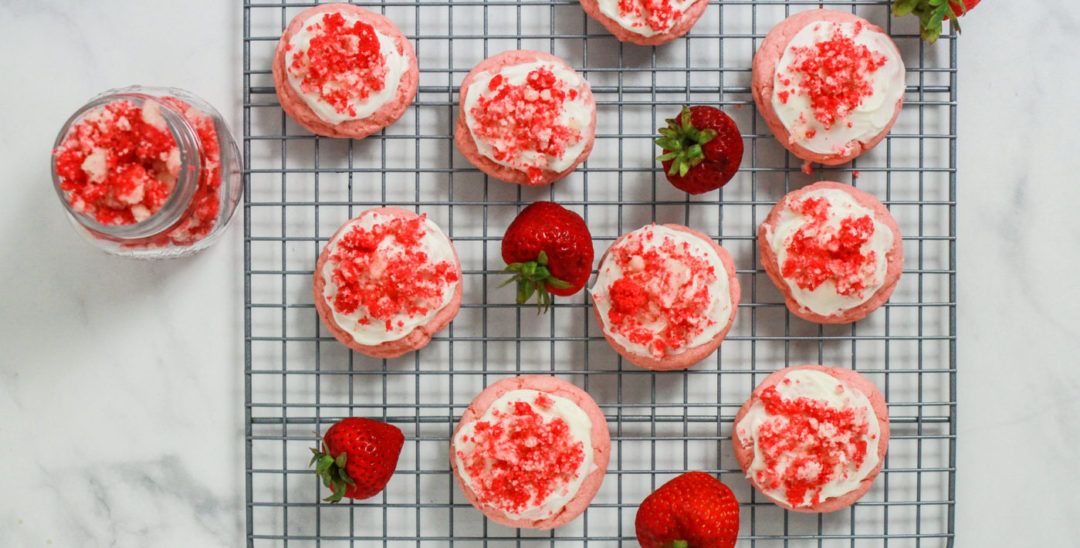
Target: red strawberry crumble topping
{"points": [[120, 163], [343, 64], [835, 75], [206, 203], [386, 271], [806, 444], [662, 298], [525, 118], [818, 252], [521, 458], [659, 15]]}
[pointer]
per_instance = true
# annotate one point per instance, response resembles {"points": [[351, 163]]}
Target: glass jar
{"points": [[147, 172]]}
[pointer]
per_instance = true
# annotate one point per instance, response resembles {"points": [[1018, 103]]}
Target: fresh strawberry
{"points": [[549, 251], [932, 13], [694, 510], [702, 149], [358, 457]]}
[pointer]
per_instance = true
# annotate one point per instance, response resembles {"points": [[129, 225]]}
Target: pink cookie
{"points": [[300, 111], [691, 355], [894, 255], [421, 334], [765, 67], [535, 176], [744, 449], [681, 25], [553, 387]]}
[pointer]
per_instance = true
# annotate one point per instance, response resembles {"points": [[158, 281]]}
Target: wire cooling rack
{"points": [[301, 188]]}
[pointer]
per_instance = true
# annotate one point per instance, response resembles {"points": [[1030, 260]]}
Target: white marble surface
{"points": [[121, 386]]}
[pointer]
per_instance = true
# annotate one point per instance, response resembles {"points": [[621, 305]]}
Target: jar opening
{"points": [[126, 165]]}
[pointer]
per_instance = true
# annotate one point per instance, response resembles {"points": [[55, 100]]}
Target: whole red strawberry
{"points": [[932, 13], [694, 510], [702, 149], [358, 457], [549, 250]]}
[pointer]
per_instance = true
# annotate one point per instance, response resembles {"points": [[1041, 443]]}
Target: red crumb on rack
{"points": [[658, 15], [855, 174], [521, 458], [343, 63], [834, 75], [386, 271], [119, 164], [807, 444], [662, 298], [818, 252], [524, 118], [808, 168]]}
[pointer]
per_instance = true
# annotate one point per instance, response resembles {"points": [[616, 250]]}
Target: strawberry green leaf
{"points": [[534, 278], [932, 14], [331, 470], [669, 144], [558, 284]]}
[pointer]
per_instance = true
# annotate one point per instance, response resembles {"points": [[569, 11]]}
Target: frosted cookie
{"points": [[531, 452], [386, 282], [526, 117], [343, 71], [646, 22], [833, 250], [665, 296], [829, 84], [812, 438]]}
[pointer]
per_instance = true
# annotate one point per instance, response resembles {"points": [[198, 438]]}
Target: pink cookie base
{"points": [[764, 70], [601, 443], [681, 27], [463, 138], [894, 257], [745, 454], [417, 338], [389, 113], [693, 355]]}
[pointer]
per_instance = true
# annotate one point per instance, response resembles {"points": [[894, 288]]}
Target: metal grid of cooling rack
{"points": [[299, 189]]}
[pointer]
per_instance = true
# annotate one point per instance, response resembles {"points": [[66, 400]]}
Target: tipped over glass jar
{"points": [[147, 172]]}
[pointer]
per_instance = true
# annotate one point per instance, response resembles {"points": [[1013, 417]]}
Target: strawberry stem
{"points": [[932, 14], [534, 278], [682, 143], [331, 470]]}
